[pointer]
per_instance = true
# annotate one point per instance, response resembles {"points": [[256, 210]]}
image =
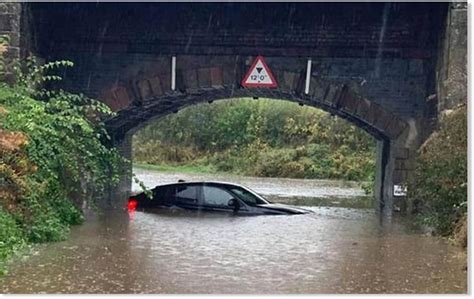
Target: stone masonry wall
{"points": [[452, 60], [399, 87], [125, 61], [10, 17]]}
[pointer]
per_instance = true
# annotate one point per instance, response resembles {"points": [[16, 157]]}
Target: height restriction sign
{"points": [[259, 75]]}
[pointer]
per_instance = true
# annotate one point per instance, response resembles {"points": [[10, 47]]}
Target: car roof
{"points": [[201, 183]]}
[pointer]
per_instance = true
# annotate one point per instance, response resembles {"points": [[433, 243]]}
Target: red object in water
{"points": [[132, 204]]}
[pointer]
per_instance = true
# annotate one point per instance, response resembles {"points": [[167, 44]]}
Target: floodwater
{"points": [[333, 250]]}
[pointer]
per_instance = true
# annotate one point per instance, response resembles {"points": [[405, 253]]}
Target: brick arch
{"points": [[144, 98]]}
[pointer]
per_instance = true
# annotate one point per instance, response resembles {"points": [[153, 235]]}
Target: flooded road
{"points": [[333, 250]]}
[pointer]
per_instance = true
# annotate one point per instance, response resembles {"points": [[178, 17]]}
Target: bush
{"points": [[438, 192], [46, 226], [12, 237], [53, 147], [264, 138], [272, 163]]}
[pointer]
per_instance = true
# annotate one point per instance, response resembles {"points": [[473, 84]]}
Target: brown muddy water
{"points": [[333, 250]]}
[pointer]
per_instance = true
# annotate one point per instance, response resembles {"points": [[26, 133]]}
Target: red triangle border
{"points": [[267, 69]]}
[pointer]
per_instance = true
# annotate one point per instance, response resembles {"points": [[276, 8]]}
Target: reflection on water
{"points": [[334, 250], [330, 201]]}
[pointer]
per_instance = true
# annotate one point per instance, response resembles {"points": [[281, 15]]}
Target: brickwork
{"points": [[403, 94], [452, 59], [322, 29], [382, 79], [10, 16]]}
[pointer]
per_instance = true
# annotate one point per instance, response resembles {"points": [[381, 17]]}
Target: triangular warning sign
{"points": [[259, 75]]}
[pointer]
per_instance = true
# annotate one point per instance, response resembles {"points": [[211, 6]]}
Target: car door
{"points": [[186, 196], [162, 195], [216, 198]]}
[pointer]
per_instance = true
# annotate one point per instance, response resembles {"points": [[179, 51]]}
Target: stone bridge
{"points": [[382, 66]]}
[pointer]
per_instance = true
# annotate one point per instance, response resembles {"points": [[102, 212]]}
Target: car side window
{"points": [[187, 194], [216, 196], [158, 193], [163, 194], [246, 196]]}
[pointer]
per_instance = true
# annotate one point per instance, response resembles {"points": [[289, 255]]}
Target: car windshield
{"points": [[248, 197]]}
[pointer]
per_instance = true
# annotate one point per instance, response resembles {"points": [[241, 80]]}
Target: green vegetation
{"points": [[438, 192], [52, 157], [261, 138], [178, 168]]}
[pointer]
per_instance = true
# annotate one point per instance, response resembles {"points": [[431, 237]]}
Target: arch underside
{"points": [[340, 101]]}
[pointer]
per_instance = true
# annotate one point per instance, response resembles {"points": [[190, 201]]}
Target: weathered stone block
{"points": [[4, 8], [331, 94], [383, 119], [402, 152], [410, 165], [165, 82], [144, 88], [190, 79], [217, 79], [400, 176], [8, 22], [400, 164], [394, 128], [371, 114], [316, 90], [155, 84], [10, 8], [229, 76], [290, 80], [403, 176], [404, 164], [116, 97], [349, 102], [204, 77], [180, 81]]}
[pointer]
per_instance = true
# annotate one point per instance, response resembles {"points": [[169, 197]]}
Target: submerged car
{"points": [[211, 196]]}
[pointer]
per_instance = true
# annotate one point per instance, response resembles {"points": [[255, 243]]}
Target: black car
{"points": [[211, 196]]}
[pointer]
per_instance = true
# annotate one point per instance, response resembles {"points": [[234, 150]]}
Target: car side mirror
{"points": [[234, 203]]}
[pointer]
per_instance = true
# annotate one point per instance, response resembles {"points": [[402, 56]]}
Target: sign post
{"points": [[308, 76]]}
